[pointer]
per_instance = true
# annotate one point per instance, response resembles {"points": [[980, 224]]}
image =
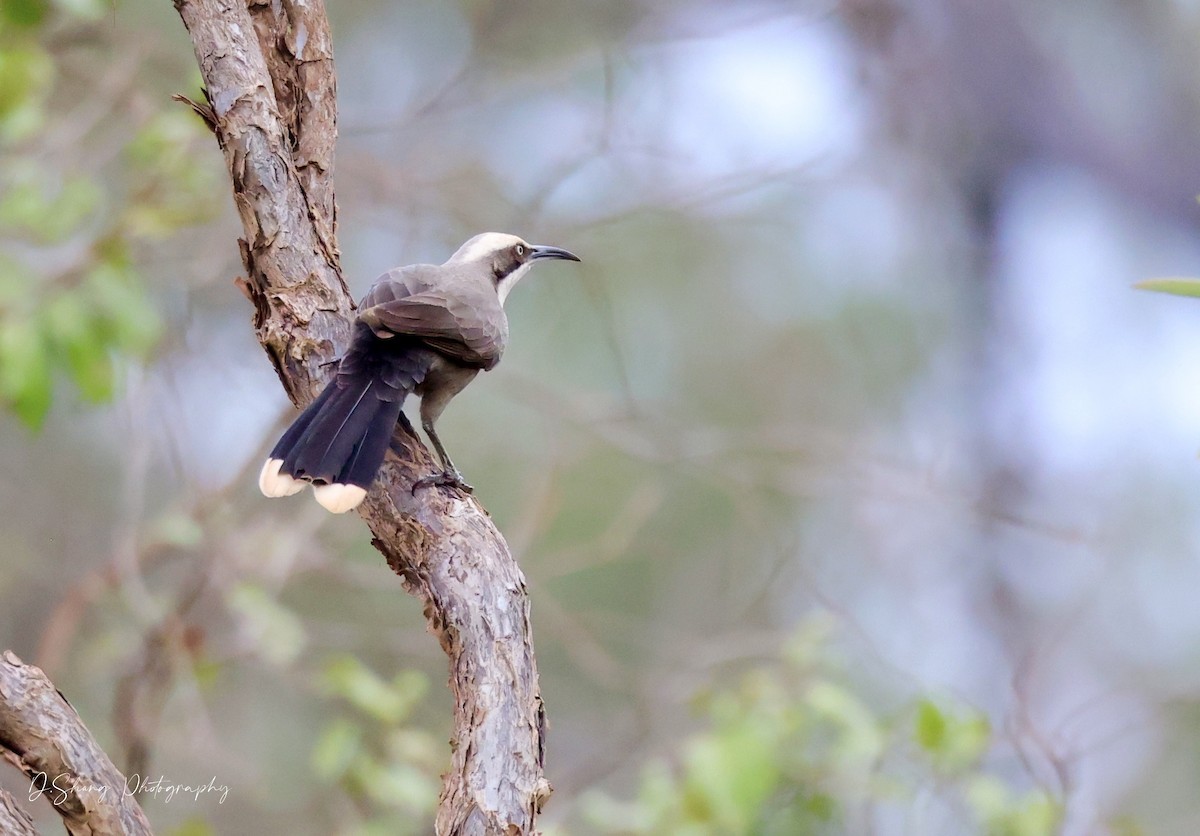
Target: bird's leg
{"points": [[449, 476]]}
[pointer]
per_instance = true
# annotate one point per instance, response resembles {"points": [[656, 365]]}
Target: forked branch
{"points": [[268, 75]]}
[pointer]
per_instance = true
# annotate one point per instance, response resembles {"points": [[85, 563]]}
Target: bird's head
{"points": [[506, 257]]}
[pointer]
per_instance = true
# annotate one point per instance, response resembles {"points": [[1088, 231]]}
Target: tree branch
{"points": [[13, 819], [45, 739], [268, 73]]}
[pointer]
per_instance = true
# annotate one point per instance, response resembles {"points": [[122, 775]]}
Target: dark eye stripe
{"points": [[507, 261]]}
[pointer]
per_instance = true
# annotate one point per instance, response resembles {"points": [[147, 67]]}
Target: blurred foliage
{"points": [[794, 749], [192, 827], [792, 375], [73, 301], [271, 629], [387, 766]]}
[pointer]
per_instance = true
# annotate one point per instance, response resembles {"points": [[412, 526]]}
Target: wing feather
{"points": [[470, 332]]}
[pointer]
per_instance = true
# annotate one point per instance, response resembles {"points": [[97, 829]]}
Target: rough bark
{"points": [[14, 821], [44, 737], [268, 73]]}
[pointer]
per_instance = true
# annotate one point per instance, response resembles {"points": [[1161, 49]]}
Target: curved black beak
{"points": [[538, 251]]}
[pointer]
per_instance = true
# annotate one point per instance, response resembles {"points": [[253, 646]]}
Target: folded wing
{"points": [[468, 328]]}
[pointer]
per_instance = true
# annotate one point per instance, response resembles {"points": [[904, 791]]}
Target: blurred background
{"points": [[855, 487]]}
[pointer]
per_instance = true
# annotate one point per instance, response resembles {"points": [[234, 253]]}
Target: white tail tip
{"points": [[339, 498], [273, 483]]}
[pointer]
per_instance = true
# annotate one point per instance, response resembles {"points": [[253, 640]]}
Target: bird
{"points": [[424, 330]]}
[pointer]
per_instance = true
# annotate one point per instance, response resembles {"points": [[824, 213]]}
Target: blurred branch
{"points": [[45, 739], [280, 158], [142, 690]]}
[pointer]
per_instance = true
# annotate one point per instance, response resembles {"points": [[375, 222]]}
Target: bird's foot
{"points": [[447, 478]]}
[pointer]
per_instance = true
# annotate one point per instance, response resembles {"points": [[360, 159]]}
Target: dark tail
{"points": [[339, 441]]}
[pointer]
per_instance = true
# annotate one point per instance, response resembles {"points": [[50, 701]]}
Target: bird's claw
{"points": [[447, 478]]}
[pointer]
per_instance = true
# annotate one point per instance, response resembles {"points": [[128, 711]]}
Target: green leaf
{"points": [[1125, 826], [92, 371], [413, 746], [336, 749], [192, 827], [76, 201], [820, 806], [16, 283], [729, 777], [25, 380], [1174, 286], [75, 333], [22, 205], [276, 632], [658, 798], [1034, 814], [207, 672], [988, 797], [24, 12], [860, 738], [1037, 815], [930, 731], [164, 137], [178, 529], [607, 815], [35, 204], [954, 740], [26, 73], [366, 691], [403, 786], [411, 686], [129, 322], [176, 189]]}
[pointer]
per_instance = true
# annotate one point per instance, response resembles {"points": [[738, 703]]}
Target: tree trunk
{"points": [[268, 74]]}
